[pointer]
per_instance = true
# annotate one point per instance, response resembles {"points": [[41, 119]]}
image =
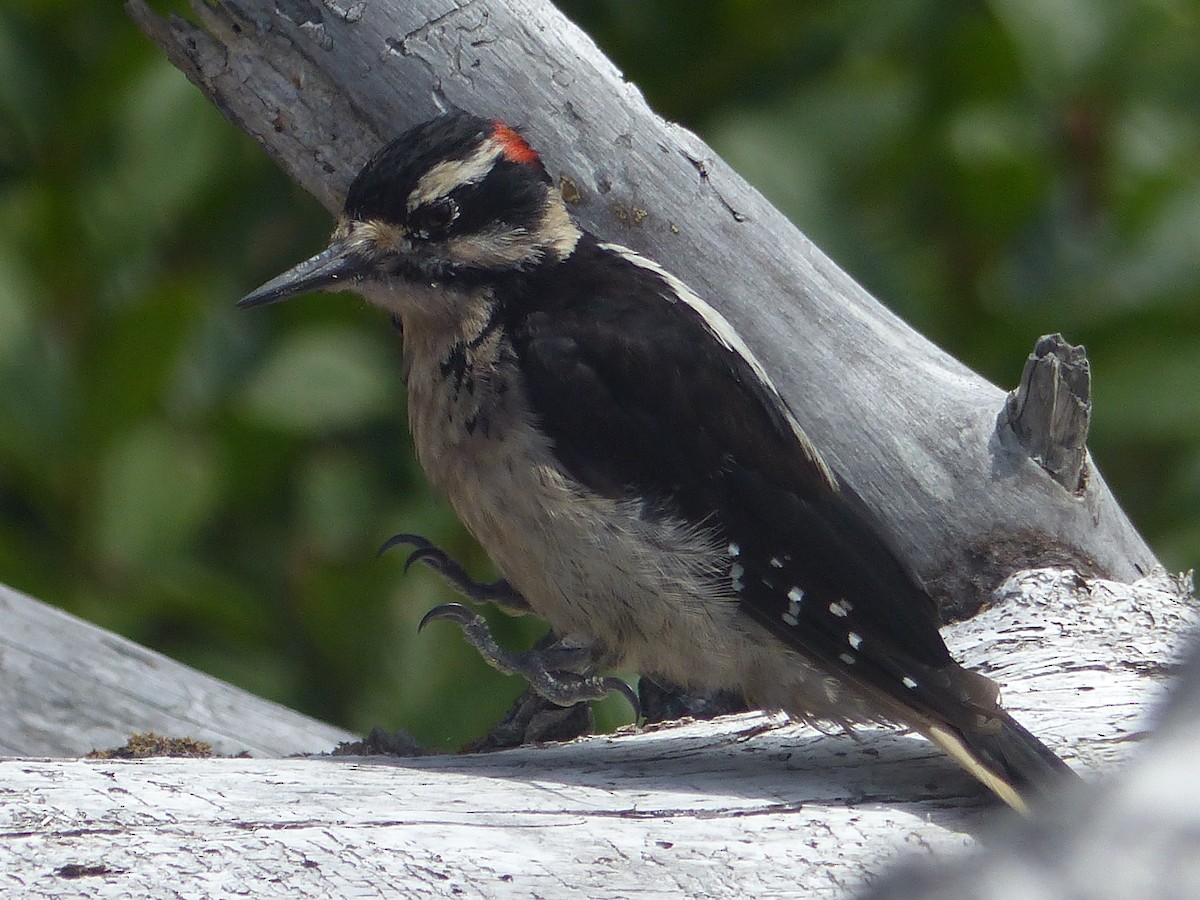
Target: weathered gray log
{"points": [[321, 85], [68, 687], [1137, 835], [739, 806]]}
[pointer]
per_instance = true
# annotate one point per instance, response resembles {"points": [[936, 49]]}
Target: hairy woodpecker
{"points": [[627, 463]]}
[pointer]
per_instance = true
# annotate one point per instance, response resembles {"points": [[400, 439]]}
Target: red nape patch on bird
{"points": [[515, 148]]}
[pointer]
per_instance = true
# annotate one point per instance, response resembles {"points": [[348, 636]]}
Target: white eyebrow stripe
{"points": [[444, 177], [723, 331]]}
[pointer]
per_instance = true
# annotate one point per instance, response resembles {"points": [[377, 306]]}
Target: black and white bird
{"points": [[617, 449]]}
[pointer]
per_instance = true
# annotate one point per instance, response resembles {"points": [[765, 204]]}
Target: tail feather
{"points": [[1006, 757]]}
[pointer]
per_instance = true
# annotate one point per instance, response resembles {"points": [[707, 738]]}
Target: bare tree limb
{"points": [[746, 804], [68, 687], [1136, 835]]}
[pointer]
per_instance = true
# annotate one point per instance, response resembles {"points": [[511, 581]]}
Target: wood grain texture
{"points": [[68, 687], [743, 805], [920, 436], [1050, 411], [1133, 835]]}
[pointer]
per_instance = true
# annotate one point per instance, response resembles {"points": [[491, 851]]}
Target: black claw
{"points": [[499, 592], [549, 671], [450, 612], [432, 557], [623, 688], [397, 539]]}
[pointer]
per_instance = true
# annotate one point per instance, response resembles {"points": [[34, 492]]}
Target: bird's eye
{"points": [[432, 219]]}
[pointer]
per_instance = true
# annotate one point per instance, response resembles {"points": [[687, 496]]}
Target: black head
{"points": [[456, 199]]}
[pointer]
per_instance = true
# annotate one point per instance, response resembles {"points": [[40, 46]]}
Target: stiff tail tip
{"points": [[1009, 760]]}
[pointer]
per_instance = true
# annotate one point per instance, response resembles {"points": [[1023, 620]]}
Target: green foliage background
{"points": [[214, 484]]}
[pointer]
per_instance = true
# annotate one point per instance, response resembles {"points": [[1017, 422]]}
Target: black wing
{"points": [[645, 394], [643, 398]]}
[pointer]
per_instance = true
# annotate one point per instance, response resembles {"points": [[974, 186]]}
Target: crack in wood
{"points": [[701, 167]]}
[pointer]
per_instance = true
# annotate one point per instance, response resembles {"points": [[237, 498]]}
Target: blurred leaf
{"points": [[36, 403], [1059, 40], [156, 489], [339, 496], [1149, 388], [323, 380], [23, 96], [18, 300]]}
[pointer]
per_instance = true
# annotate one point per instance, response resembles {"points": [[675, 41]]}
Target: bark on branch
{"points": [[68, 687], [1050, 411]]}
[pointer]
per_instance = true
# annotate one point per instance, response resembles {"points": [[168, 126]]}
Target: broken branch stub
{"points": [[1051, 409]]}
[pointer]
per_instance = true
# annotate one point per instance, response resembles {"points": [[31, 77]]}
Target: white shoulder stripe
{"points": [[723, 331]]}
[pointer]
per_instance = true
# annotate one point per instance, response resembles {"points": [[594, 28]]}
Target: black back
{"points": [[642, 400]]}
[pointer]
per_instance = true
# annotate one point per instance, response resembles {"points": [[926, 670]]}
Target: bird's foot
{"points": [[663, 701], [534, 720], [554, 672], [499, 592]]}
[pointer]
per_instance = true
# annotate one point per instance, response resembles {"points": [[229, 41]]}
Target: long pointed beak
{"points": [[332, 266]]}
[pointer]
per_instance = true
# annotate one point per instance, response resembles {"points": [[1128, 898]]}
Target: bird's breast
{"points": [[650, 592], [611, 570]]}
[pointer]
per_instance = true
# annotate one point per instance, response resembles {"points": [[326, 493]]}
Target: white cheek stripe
{"points": [[724, 332], [452, 173]]}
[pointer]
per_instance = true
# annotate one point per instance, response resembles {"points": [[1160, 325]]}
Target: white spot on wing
{"points": [[840, 608], [908, 682], [776, 562], [734, 550], [855, 639], [847, 659], [795, 597], [735, 576], [724, 332]]}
